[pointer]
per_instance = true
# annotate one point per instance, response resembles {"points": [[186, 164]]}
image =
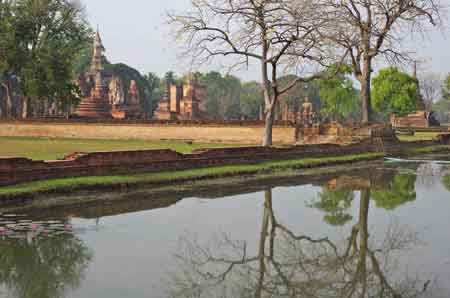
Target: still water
{"points": [[383, 231]]}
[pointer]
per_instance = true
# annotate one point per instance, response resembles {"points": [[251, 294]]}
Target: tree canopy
{"points": [[373, 29], [42, 39], [252, 100], [442, 107], [338, 96], [223, 100], [395, 92]]}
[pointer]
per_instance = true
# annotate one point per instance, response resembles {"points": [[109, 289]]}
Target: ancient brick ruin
{"points": [[418, 119], [183, 102], [103, 93], [17, 170]]}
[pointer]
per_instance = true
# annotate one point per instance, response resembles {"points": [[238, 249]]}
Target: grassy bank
{"points": [[419, 136], [57, 148], [167, 178], [426, 150]]}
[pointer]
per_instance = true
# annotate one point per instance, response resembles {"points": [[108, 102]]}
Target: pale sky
{"points": [[134, 32]]}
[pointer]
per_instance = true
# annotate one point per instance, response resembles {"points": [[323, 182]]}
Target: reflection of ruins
{"points": [[104, 94], [183, 102], [287, 264]]}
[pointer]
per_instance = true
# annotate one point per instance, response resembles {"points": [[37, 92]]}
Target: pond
{"points": [[381, 231]]}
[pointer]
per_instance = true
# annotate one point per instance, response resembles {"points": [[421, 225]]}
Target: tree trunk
{"points": [[8, 99], [25, 107], [268, 131], [366, 112]]}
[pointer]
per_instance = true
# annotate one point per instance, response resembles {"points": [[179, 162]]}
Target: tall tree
{"points": [[7, 53], [369, 29], [430, 89], [44, 39], [338, 96], [395, 92], [279, 35], [442, 107], [224, 92], [154, 83], [252, 100]]}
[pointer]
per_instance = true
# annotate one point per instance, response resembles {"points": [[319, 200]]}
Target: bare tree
{"points": [[430, 88], [282, 36], [372, 28]]}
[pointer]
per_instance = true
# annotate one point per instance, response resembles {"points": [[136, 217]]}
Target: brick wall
{"points": [[17, 170]]}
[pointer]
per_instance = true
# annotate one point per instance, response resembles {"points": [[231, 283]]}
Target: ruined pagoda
{"points": [[95, 105]]}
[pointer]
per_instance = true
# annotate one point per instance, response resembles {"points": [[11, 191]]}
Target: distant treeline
{"points": [[230, 98]]}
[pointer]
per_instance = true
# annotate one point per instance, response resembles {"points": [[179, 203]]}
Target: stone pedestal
{"points": [[93, 108]]}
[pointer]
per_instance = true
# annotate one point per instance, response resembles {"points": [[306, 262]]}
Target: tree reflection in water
{"points": [[44, 266], [336, 205], [290, 265], [446, 182], [389, 192]]}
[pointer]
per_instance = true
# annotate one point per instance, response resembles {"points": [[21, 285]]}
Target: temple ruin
{"points": [[103, 93], [183, 102]]}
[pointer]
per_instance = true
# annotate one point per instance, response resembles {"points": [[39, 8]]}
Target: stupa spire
{"points": [[96, 64]]}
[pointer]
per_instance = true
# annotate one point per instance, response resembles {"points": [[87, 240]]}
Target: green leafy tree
{"points": [[338, 96], [8, 54], [223, 95], [401, 190], [44, 38], [442, 107], [252, 100], [155, 91], [395, 92]]}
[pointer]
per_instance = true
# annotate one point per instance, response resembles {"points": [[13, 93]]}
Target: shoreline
{"points": [[30, 190], [176, 181], [163, 194]]}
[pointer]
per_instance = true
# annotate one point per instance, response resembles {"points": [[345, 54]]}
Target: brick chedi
{"points": [[104, 92], [183, 102], [94, 104]]}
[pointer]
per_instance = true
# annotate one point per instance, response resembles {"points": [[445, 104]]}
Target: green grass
{"points": [[427, 150], [418, 136], [57, 148], [49, 186]]}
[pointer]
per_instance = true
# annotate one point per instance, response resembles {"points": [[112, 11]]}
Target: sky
{"points": [[135, 32]]}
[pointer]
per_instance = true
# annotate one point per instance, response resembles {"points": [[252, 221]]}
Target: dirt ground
{"points": [[215, 134]]}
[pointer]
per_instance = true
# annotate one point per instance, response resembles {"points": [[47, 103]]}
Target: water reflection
{"points": [[289, 251], [40, 258], [446, 182], [290, 264]]}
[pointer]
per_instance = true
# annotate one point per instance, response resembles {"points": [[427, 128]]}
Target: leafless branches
{"points": [[372, 28], [285, 36], [430, 87]]}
